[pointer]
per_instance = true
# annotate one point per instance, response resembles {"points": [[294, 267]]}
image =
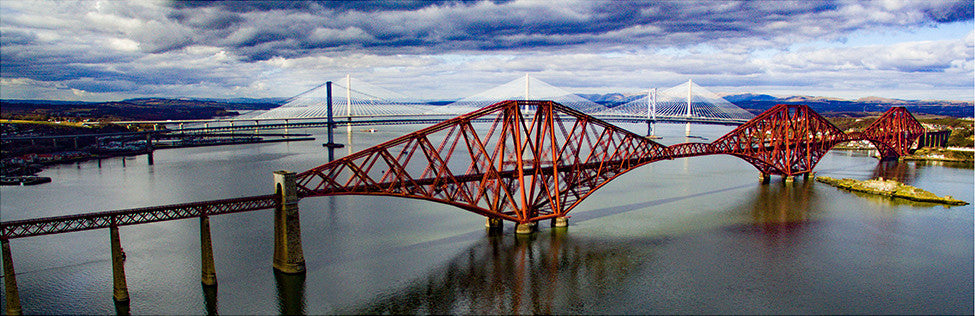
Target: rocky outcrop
{"points": [[890, 188]]}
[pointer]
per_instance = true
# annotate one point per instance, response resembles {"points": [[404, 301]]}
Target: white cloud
{"points": [[116, 48]]}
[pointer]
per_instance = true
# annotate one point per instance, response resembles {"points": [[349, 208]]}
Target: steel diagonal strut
{"points": [[526, 169], [523, 168]]}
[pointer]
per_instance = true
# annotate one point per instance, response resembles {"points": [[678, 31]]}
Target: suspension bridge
{"points": [[518, 166]]}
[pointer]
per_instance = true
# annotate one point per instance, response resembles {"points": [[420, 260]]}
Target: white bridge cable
{"points": [[370, 100], [516, 90], [672, 102], [365, 100]]}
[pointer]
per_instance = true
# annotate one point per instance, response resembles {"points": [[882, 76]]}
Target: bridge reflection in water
{"points": [[554, 272], [514, 172], [526, 274]]}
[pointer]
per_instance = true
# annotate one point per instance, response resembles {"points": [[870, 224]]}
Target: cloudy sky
{"points": [[112, 50]]}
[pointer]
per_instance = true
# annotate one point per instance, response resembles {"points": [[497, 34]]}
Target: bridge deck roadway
{"points": [[98, 220], [358, 122]]}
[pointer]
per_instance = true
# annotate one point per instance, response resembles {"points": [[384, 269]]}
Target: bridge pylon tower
{"points": [[522, 169]]}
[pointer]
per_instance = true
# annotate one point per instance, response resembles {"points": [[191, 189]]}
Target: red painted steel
{"points": [[518, 168], [785, 140], [523, 169], [894, 133], [526, 169]]}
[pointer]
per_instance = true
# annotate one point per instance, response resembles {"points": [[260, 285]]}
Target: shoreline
{"points": [[926, 154], [31, 170]]}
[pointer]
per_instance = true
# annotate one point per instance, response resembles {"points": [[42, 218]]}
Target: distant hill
{"points": [[203, 108], [758, 103], [748, 97], [132, 109], [611, 99], [859, 107]]}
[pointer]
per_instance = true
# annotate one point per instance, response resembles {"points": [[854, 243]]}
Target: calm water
{"points": [[698, 235]]}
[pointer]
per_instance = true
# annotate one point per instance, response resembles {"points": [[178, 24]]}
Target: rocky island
{"points": [[890, 188]]}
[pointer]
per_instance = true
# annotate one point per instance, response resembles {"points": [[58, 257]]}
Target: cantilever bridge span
{"points": [[522, 169], [527, 169]]}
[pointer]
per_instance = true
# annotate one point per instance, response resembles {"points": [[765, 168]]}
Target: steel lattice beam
{"points": [[89, 221], [523, 169], [528, 169]]}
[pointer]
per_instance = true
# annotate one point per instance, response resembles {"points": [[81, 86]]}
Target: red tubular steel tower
{"points": [[526, 169]]}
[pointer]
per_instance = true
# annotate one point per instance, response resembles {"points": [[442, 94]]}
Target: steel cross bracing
{"points": [[79, 222], [894, 133], [523, 169], [529, 169], [790, 139]]}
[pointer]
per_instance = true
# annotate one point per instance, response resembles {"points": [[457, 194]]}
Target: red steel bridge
{"points": [[524, 169], [498, 162]]}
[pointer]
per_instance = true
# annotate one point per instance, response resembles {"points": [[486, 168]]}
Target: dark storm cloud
{"points": [[952, 12], [285, 28], [114, 46], [336, 5], [16, 38]]}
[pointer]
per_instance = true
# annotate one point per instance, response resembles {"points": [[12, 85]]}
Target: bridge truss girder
{"points": [[523, 169], [894, 133], [529, 169], [784, 140]]}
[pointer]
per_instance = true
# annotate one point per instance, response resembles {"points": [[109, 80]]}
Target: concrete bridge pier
{"points": [[149, 148], [10, 281], [524, 228], [120, 289], [210, 299], [560, 221], [208, 269], [288, 256], [789, 179], [763, 177], [494, 224]]}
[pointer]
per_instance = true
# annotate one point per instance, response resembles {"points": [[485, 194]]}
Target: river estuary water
{"points": [[696, 235]]}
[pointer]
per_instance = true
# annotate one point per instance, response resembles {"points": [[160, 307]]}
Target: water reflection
{"points": [[291, 293], [122, 307], [779, 206], [895, 170], [887, 201], [210, 298], [950, 164], [539, 274]]}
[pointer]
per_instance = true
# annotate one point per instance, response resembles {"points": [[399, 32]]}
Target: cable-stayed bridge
{"points": [[526, 88], [523, 167], [350, 98], [355, 102]]}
